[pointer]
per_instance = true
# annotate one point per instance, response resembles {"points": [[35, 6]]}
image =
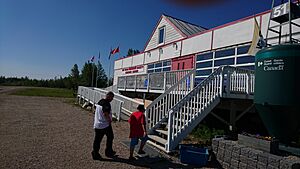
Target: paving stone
{"points": [[290, 162], [274, 160], [244, 159], [226, 165], [235, 156], [252, 163], [227, 159], [245, 151], [242, 165], [271, 167], [261, 165], [234, 163], [263, 158], [250, 167], [221, 144], [253, 154], [237, 149]]}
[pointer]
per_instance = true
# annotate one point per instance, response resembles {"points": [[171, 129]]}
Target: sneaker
{"points": [[110, 154], [96, 156], [131, 159], [141, 152]]}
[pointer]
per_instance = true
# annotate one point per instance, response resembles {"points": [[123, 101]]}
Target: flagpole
{"points": [[98, 69], [93, 74], [109, 67]]}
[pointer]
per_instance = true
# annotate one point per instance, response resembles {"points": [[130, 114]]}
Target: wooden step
{"points": [[158, 139], [165, 132]]}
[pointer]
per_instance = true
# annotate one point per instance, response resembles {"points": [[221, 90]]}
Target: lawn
{"points": [[46, 92]]}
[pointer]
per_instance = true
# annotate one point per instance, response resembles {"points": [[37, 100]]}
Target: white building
{"points": [[179, 45]]}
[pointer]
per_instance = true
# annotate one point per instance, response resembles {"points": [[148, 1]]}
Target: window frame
{"points": [[164, 35]]}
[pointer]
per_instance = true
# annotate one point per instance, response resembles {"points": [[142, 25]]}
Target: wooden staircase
{"points": [[175, 113]]}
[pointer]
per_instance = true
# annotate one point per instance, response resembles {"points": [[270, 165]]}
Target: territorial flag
{"points": [[92, 58], [258, 41], [114, 51]]}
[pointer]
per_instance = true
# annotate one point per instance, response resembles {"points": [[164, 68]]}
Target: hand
{"points": [[145, 134]]}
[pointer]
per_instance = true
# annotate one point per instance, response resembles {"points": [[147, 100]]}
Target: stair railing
{"points": [[159, 108], [203, 98]]}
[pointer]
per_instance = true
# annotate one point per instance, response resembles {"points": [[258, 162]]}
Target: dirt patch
{"points": [[42, 132]]}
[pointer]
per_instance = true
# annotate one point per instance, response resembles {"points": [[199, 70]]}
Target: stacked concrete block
{"points": [[215, 145], [262, 160], [244, 156], [221, 151], [290, 162], [274, 161], [228, 151], [253, 158]]}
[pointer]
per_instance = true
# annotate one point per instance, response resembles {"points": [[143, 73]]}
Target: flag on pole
{"points": [[92, 58], [114, 51], [257, 40]]}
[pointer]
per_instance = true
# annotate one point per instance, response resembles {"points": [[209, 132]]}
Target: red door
{"points": [[183, 63]]}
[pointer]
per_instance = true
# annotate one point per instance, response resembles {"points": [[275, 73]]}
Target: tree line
{"points": [[72, 81]]}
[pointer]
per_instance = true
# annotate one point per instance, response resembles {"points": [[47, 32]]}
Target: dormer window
{"points": [[161, 36]]}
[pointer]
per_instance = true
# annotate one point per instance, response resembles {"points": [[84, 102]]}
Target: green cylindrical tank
{"points": [[276, 98]]}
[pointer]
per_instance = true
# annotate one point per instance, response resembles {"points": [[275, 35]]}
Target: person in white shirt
{"points": [[102, 126]]}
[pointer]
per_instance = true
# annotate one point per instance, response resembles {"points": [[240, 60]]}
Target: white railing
{"points": [[129, 105], [152, 81], [159, 108], [93, 97], [119, 104], [191, 109]]}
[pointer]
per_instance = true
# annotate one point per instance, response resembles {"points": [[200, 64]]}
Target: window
{"points": [[198, 80], [150, 71], [203, 72], [245, 59], [150, 66], [157, 70], [205, 56], [161, 35], [247, 67], [243, 49], [224, 62], [183, 66], [204, 64], [166, 63], [158, 64], [166, 69], [226, 52]]}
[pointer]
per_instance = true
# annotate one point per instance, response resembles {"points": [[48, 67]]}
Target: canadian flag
{"points": [[114, 51]]}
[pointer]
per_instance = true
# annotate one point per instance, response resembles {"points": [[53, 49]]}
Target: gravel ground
{"points": [[42, 132]]}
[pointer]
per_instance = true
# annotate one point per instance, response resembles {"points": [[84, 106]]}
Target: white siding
{"points": [[117, 74], [138, 59], [118, 64], [127, 62], [237, 33], [170, 51], [197, 44], [153, 57], [171, 35]]}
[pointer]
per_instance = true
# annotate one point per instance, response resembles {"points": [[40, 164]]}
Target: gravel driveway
{"points": [[42, 132]]}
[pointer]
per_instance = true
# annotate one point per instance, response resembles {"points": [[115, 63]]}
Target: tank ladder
{"points": [[281, 15]]}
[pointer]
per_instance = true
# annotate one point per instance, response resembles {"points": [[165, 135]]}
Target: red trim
{"points": [[202, 32], [130, 56], [179, 31]]}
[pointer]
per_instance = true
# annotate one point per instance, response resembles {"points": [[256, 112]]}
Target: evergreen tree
{"points": [[73, 81], [102, 78]]}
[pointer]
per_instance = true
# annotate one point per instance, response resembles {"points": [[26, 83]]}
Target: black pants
{"points": [[99, 133]]}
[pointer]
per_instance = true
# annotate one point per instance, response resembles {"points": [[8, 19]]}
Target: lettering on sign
{"points": [[271, 64]]}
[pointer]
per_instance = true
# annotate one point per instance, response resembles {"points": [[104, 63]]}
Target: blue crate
{"points": [[193, 155]]}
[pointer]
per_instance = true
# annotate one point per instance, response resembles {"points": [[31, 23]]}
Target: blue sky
{"points": [[45, 38]]}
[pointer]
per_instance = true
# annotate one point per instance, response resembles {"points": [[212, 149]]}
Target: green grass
{"points": [[45, 92]]}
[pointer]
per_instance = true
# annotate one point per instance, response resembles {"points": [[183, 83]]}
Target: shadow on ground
{"points": [[148, 162]]}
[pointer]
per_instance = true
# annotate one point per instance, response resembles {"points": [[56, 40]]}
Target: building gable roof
{"points": [[181, 28], [186, 28]]}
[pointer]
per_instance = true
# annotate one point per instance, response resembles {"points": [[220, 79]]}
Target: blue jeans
{"points": [[135, 141]]}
